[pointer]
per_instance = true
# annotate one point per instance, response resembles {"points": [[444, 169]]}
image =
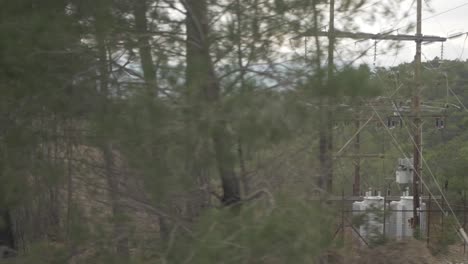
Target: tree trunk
{"points": [[6, 230], [144, 48], [322, 180], [150, 75], [120, 236], [203, 86], [240, 57]]}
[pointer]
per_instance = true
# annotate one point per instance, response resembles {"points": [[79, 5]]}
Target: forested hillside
{"points": [[196, 131]]}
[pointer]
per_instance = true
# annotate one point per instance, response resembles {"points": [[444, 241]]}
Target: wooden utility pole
{"points": [[416, 112], [326, 124], [329, 116]]}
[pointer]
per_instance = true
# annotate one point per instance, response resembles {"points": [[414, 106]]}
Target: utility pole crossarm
{"points": [[380, 36]]}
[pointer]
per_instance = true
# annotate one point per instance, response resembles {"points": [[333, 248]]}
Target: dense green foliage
{"points": [[161, 131]]}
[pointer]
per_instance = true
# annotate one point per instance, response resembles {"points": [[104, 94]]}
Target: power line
{"points": [[416, 136], [422, 157], [324, 26], [438, 22], [351, 15], [448, 87], [424, 183], [434, 179], [446, 11], [436, 15], [393, 29]]}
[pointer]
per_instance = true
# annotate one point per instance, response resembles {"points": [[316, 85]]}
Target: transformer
{"points": [[404, 171]]}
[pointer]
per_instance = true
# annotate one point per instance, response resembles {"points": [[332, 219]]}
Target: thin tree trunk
{"points": [[323, 145], [6, 230], [203, 86], [150, 75], [243, 171], [7, 234], [144, 47], [323, 139], [240, 56], [120, 231], [70, 191], [120, 235]]}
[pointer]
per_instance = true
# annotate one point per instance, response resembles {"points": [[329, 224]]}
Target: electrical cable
{"points": [[419, 150], [426, 18], [447, 85], [423, 159], [463, 48], [457, 229], [355, 134], [426, 164], [352, 15], [397, 144]]}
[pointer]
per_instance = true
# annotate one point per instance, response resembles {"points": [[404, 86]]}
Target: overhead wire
{"points": [[387, 32], [418, 149], [457, 229], [428, 168], [398, 145], [446, 11], [324, 26], [447, 85], [376, 41], [422, 157], [362, 54], [437, 14], [352, 15], [437, 21], [355, 134], [393, 29], [374, 45], [424, 160], [414, 171], [463, 48]]}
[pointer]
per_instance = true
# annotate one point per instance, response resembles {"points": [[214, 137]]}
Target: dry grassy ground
{"points": [[409, 252]]}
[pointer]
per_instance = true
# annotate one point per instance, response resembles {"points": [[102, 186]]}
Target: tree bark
{"points": [[203, 86], [6, 230], [120, 235], [144, 48], [150, 75], [240, 57], [322, 181]]}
